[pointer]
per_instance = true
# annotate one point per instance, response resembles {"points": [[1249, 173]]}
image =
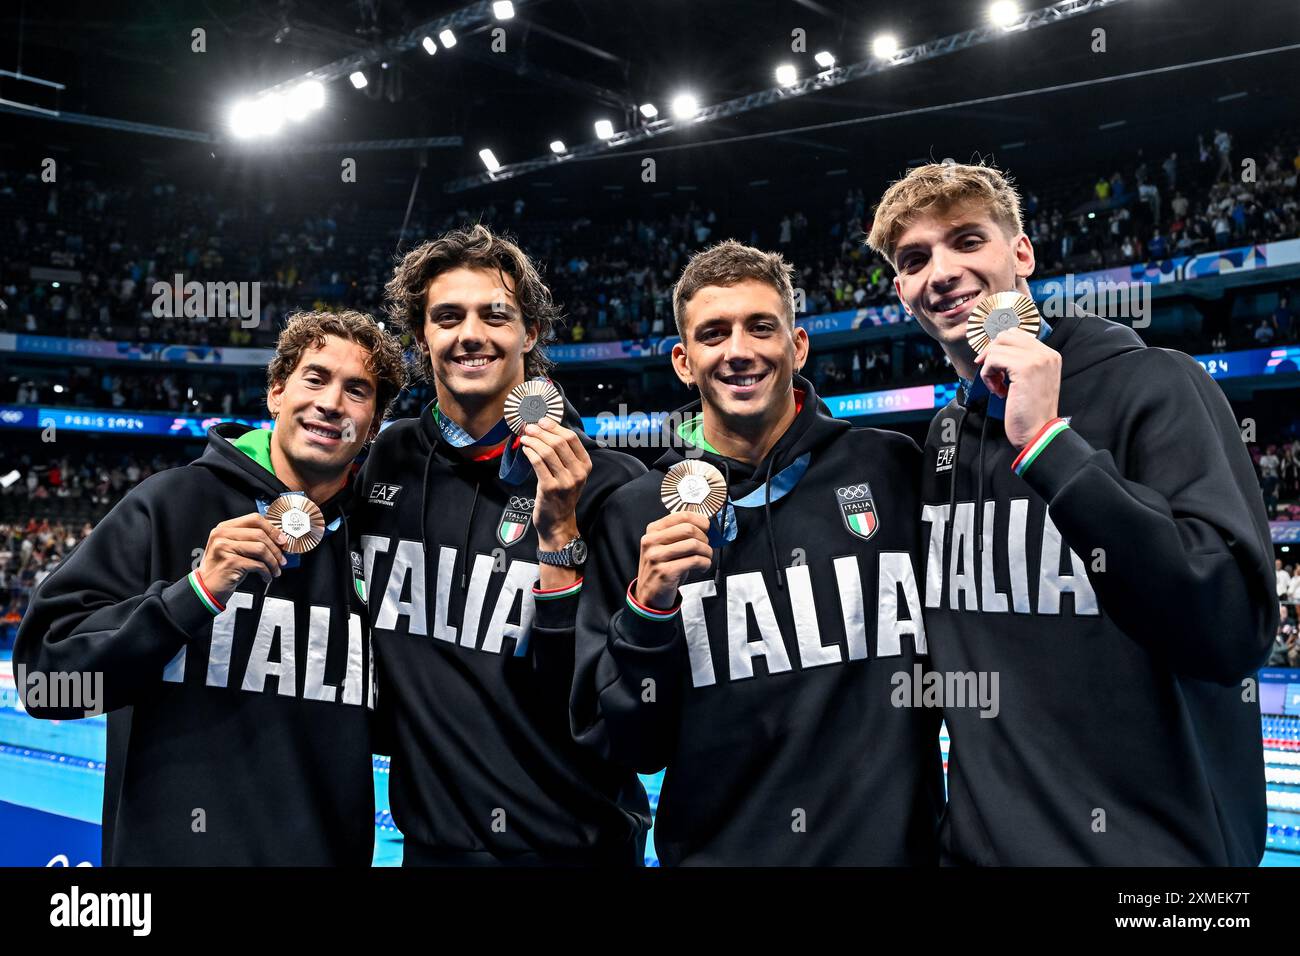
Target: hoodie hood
{"points": [[813, 427], [431, 436], [747, 486], [236, 455], [1086, 340]]}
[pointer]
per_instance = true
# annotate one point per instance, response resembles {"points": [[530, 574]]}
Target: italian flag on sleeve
{"points": [[1038, 443]]}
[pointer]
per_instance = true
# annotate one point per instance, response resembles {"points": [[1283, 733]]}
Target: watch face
{"points": [[578, 552]]}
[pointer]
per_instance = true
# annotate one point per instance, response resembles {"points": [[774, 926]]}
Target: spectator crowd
{"points": [[613, 277]]}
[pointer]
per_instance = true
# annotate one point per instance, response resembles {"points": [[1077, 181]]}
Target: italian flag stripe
{"points": [[1036, 446], [208, 600], [553, 594], [510, 530], [649, 613]]}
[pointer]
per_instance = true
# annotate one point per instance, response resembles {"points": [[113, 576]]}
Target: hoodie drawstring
{"points": [[956, 454], [952, 494], [347, 553], [726, 510], [979, 493], [469, 526], [424, 505], [767, 516]]}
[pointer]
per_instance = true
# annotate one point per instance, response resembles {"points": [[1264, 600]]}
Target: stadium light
{"points": [[1003, 13], [685, 105], [489, 160], [359, 80], [557, 146], [649, 110], [269, 114], [884, 46], [429, 46], [260, 117], [240, 119], [503, 9], [448, 38], [825, 59], [304, 99], [787, 75], [604, 129]]}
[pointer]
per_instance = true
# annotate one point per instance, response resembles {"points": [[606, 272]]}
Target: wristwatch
{"points": [[572, 555]]}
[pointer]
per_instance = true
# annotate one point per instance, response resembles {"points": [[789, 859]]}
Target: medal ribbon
{"points": [[783, 482], [515, 468]]}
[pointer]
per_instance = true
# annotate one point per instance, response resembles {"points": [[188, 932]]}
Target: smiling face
{"points": [[741, 350], [325, 409], [946, 262], [475, 336]]}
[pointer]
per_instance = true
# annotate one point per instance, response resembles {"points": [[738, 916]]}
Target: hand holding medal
{"points": [[236, 548], [677, 546], [1015, 366], [996, 314]]}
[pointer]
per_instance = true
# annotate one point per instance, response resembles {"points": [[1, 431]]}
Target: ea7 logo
{"points": [[943, 461], [515, 519], [381, 494], [858, 509]]}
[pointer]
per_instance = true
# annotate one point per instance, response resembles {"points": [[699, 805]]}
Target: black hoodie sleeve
{"points": [[555, 621], [99, 613], [551, 643], [628, 669], [1185, 541]]}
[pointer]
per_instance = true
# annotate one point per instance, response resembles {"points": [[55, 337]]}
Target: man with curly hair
{"points": [[475, 541], [232, 659]]}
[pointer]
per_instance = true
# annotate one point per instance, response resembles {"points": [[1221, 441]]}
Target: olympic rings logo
{"points": [[854, 492], [522, 504]]}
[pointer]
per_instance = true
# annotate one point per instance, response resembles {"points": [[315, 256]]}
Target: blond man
{"points": [[1095, 537]]}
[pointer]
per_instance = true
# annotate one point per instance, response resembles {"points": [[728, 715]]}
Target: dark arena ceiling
{"points": [[1032, 100]]}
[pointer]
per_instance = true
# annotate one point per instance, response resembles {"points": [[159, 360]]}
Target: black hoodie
{"points": [[769, 696], [474, 671], [1121, 589], [240, 739]]}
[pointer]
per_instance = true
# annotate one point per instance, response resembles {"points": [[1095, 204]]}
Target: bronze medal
{"points": [[298, 517], [694, 486], [529, 402], [996, 313]]}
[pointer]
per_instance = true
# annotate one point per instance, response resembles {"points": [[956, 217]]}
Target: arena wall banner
{"points": [[1220, 365], [1164, 272], [1285, 532], [116, 422]]}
